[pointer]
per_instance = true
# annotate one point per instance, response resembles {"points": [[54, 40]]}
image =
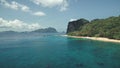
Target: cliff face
{"points": [[75, 25]]}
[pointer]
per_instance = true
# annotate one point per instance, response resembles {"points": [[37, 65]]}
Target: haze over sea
{"points": [[56, 51]]}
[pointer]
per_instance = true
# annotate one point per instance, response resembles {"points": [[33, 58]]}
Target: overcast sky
{"points": [[27, 15]]}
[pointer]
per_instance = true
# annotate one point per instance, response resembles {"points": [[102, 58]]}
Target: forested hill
{"points": [[109, 27]]}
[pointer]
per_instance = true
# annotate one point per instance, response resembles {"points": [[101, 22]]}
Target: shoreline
{"points": [[96, 38]]}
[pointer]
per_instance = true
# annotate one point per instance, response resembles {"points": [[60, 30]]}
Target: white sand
{"points": [[96, 38]]}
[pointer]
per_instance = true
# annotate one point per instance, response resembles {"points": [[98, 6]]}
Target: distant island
{"points": [[45, 30], [104, 28]]}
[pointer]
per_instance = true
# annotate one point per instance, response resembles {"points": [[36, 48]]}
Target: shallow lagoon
{"points": [[55, 51]]}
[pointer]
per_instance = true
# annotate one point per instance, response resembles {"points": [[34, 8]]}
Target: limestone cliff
{"points": [[75, 25]]}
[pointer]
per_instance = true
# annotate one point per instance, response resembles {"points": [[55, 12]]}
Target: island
{"points": [[43, 30], [107, 29], [46, 30]]}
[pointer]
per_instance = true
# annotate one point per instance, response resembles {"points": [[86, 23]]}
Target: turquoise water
{"points": [[54, 51]]}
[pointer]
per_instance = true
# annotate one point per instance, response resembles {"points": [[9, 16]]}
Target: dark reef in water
{"points": [[100, 64], [79, 65]]}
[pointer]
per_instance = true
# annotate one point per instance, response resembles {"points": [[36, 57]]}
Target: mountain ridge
{"points": [[45, 30]]}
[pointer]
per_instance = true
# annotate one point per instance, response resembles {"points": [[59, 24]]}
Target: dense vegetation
{"points": [[109, 27]]}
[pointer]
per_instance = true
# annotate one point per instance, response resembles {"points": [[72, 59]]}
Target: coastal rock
{"points": [[75, 25]]}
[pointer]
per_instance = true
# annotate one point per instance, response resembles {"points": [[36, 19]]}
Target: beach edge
{"points": [[95, 38]]}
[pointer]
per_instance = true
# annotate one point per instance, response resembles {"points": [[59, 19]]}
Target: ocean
{"points": [[56, 51]]}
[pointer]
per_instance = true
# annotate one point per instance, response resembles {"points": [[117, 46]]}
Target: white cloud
{"points": [[25, 8], [63, 4], [17, 25], [72, 20], [39, 13], [15, 5]]}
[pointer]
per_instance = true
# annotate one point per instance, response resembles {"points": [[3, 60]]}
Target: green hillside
{"points": [[109, 27]]}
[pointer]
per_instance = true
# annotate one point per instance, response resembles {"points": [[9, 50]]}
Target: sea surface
{"points": [[56, 51]]}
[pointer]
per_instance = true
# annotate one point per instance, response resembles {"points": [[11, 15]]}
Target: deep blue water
{"points": [[55, 51]]}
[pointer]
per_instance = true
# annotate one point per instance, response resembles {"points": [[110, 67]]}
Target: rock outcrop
{"points": [[75, 25]]}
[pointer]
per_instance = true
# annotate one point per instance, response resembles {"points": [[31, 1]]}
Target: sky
{"points": [[28, 15]]}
